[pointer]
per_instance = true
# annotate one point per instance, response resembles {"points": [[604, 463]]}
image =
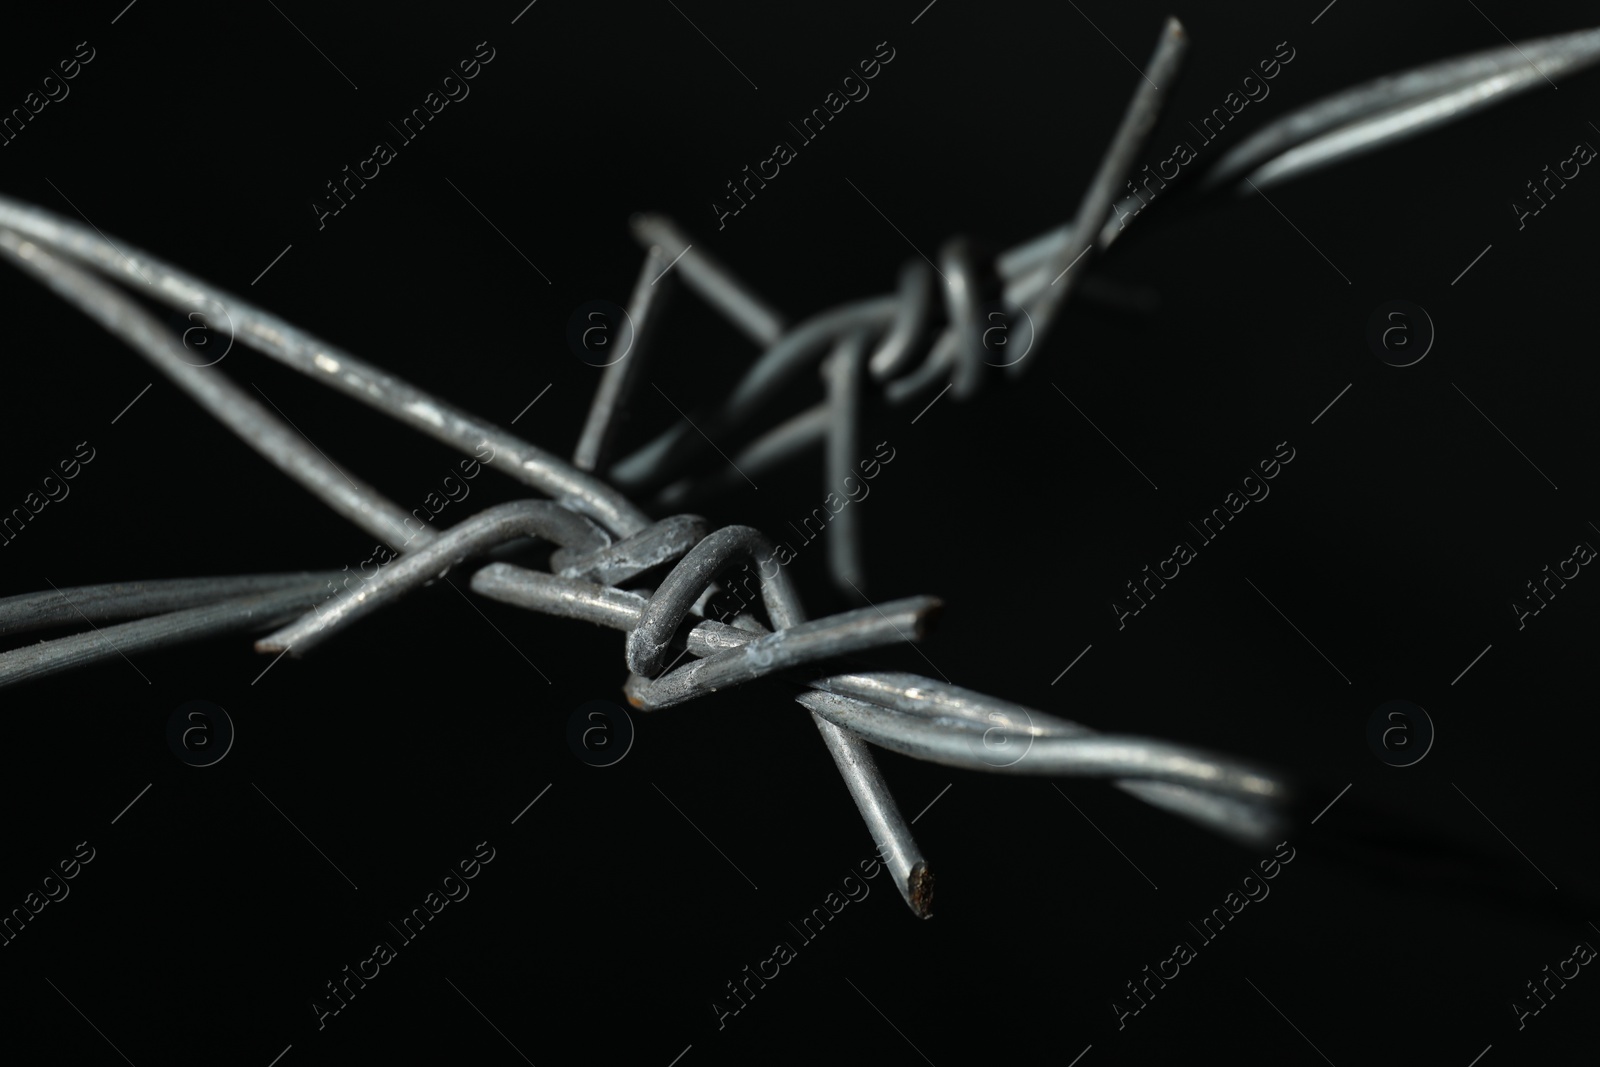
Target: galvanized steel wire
{"points": [[657, 580]]}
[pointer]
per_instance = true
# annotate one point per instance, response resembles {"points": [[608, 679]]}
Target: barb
{"points": [[623, 374], [1137, 123]]}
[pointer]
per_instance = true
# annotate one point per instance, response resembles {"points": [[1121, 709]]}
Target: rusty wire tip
{"points": [[919, 891]]}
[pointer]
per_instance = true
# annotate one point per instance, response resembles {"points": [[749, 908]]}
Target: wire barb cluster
{"points": [[657, 580], [996, 311]]}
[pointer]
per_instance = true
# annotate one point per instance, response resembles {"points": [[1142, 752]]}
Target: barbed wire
{"points": [[660, 581], [998, 310]]}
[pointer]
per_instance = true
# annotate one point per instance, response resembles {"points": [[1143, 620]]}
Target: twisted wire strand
{"points": [[1395, 106], [1344, 125], [309, 355], [132, 600], [236, 409], [239, 614]]}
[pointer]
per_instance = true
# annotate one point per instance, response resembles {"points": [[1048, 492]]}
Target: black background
{"points": [[606, 923]]}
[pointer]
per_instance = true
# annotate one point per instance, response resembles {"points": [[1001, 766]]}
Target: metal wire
{"points": [[316, 358], [1037, 276], [235, 615], [132, 600], [1397, 106], [606, 541], [1097, 201]]}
